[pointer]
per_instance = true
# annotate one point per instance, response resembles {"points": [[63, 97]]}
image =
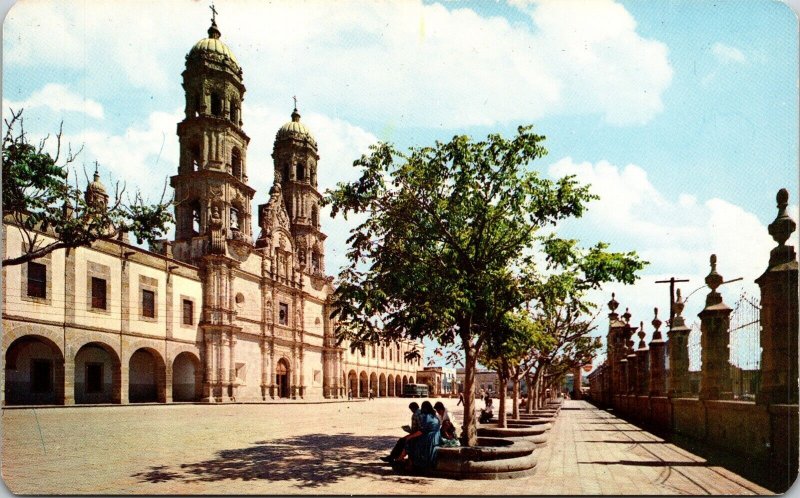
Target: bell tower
{"points": [[211, 190], [295, 158]]}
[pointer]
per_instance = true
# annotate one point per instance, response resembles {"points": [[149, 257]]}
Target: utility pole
{"points": [[672, 281]]}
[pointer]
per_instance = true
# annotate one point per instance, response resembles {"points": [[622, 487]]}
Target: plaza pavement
{"points": [[329, 448]]}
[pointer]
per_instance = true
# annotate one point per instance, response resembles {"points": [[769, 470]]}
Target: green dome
{"points": [[213, 45], [295, 129]]}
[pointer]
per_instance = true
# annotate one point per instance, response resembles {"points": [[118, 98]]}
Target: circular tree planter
{"points": [[493, 458], [533, 434]]}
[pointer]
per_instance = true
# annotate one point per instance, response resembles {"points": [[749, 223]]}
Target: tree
{"points": [[445, 228], [52, 214], [561, 308]]}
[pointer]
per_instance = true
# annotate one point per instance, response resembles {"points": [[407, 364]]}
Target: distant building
{"points": [[441, 380]]}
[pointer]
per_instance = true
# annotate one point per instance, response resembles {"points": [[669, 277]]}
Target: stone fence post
{"points": [[642, 363], [678, 352], [657, 350], [714, 325], [779, 314], [633, 381]]}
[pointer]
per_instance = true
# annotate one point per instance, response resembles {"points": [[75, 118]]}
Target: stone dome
{"points": [[295, 129], [96, 186], [213, 45]]}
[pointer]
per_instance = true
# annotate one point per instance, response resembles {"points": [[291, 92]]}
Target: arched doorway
{"points": [[352, 383], [398, 386], [363, 385], [382, 386], [373, 384], [146, 377], [411, 380], [97, 374], [187, 378], [282, 378], [34, 372], [390, 381]]}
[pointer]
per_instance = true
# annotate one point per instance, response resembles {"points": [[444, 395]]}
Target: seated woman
{"points": [[448, 430], [421, 445], [487, 413]]}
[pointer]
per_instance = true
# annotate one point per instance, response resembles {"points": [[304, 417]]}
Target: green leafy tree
{"points": [[52, 214], [445, 227]]}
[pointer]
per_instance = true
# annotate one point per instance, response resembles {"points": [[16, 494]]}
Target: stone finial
{"points": [[713, 279], [641, 335], [677, 308], [627, 316], [656, 325], [783, 226], [613, 304]]}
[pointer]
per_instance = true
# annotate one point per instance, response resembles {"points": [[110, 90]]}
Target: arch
{"points": [[390, 388], [195, 227], [194, 156], [410, 380], [187, 377], [405, 382], [146, 377], [98, 375], [398, 386], [363, 385], [233, 114], [352, 383], [301, 170], [373, 384], [382, 386], [34, 372], [286, 171], [282, 372], [236, 163], [216, 105]]}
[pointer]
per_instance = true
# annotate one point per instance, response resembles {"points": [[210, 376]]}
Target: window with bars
{"points": [[98, 293], [37, 280], [148, 303]]}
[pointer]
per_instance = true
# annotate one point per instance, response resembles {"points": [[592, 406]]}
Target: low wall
{"points": [[763, 433]]}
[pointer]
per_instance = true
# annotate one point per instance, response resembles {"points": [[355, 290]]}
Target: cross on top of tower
{"points": [[213, 13], [295, 101]]}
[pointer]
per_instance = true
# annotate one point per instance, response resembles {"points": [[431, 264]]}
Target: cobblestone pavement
{"points": [[320, 449]]}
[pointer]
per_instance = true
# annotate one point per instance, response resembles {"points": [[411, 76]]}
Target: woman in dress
{"points": [[448, 429], [421, 445]]}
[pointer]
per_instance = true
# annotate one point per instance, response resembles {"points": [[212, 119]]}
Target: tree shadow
{"points": [[311, 460]]}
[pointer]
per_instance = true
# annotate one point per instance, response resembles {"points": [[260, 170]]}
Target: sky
{"points": [[682, 115]]}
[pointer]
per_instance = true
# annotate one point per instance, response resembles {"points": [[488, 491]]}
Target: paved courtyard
{"points": [[329, 448]]}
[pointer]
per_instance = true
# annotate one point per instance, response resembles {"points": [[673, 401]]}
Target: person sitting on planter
{"points": [[397, 451], [421, 445], [487, 413], [448, 430]]}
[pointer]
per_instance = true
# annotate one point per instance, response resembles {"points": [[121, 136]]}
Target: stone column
{"points": [[232, 365], [264, 368], [779, 314], [642, 363], [657, 358], [224, 364], [714, 325], [208, 371], [615, 326], [631, 356], [678, 353]]}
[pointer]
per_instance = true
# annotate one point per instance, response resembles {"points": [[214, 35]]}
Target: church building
{"points": [[219, 314]]}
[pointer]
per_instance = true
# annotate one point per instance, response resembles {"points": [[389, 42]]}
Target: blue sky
{"points": [[683, 115]]}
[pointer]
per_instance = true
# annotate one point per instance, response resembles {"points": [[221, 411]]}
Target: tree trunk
{"points": [[529, 404], [469, 430], [537, 382], [501, 419], [515, 398]]}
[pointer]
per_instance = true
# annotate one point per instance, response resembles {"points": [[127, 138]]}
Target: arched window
{"points": [[216, 105], [194, 152], [286, 171], [234, 113], [301, 171], [314, 216], [236, 163], [234, 218], [194, 206], [315, 265]]}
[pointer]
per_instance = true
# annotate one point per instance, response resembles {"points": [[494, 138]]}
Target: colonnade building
{"points": [[218, 314]]}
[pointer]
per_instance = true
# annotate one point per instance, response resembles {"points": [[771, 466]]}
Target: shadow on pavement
{"points": [[310, 460]]}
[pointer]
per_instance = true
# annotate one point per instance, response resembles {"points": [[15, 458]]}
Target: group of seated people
{"points": [[430, 428]]}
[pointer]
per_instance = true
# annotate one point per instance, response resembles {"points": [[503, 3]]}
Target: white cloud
{"points": [[401, 61], [58, 98], [676, 237], [726, 53]]}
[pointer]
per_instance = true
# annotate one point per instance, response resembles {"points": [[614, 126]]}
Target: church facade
{"points": [[219, 314]]}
